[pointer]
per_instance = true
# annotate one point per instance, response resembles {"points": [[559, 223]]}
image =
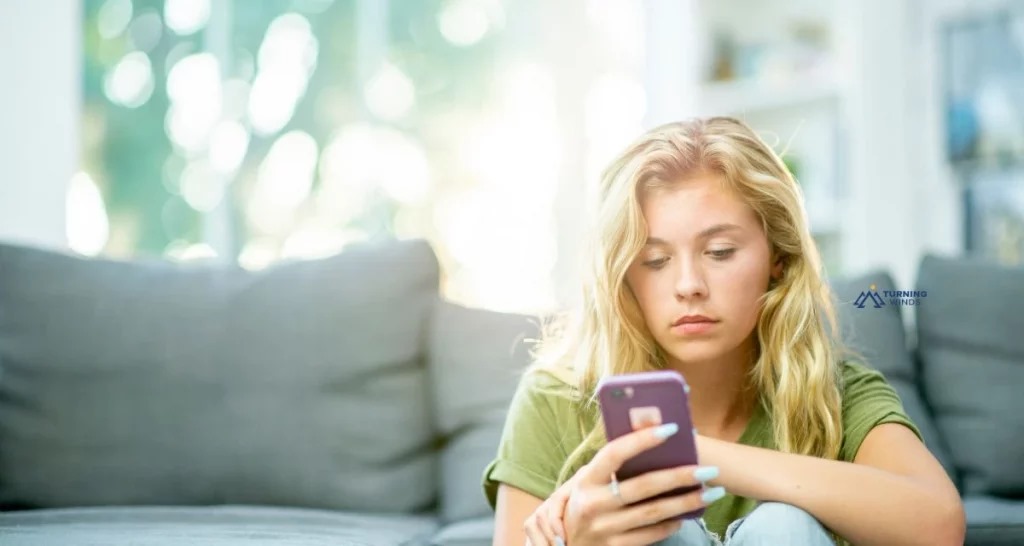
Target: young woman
{"points": [[699, 260]]}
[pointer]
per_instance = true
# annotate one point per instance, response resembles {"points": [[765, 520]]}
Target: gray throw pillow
{"points": [[476, 360], [152, 383], [971, 337]]}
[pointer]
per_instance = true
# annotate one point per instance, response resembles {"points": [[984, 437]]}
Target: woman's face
{"points": [[706, 255]]}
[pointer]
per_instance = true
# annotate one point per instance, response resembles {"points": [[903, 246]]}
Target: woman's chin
{"points": [[697, 352]]}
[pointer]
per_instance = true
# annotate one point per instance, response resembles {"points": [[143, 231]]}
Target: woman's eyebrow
{"points": [[704, 234]]}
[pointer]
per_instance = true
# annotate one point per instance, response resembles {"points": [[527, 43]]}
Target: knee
{"points": [[779, 514], [692, 533], [779, 523]]}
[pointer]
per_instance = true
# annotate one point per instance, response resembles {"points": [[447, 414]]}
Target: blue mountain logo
{"points": [[871, 294]]}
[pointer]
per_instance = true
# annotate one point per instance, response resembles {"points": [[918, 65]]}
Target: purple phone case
{"points": [[665, 389]]}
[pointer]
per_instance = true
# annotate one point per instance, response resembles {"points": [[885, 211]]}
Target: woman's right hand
{"points": [[595, 515]]}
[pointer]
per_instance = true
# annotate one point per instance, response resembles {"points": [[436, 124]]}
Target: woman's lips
{"points": [[694, 328]]}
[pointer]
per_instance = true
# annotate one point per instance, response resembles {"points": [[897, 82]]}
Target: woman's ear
{"points": [[777, 269]]}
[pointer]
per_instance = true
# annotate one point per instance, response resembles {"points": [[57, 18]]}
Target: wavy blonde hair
{"points": [[796, 372]]}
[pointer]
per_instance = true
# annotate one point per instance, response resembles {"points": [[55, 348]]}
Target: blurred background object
{"points": [[984, 100], [254, 132]]}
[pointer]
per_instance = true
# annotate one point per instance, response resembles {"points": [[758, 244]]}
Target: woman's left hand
{"points": [[544, 526]]}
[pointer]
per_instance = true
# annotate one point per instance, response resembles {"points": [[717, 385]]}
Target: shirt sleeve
{"points": [[533, 444], [868, 401]]}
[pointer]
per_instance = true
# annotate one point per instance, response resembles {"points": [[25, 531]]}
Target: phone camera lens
{"points": [[617, 393]]}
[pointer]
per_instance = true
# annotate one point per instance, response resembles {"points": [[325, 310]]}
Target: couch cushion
{"points": [[993, 521], [151, 383], [971, 337], [476, 358], [474, 532], [878, 335], [466, 455], [210, 526]]}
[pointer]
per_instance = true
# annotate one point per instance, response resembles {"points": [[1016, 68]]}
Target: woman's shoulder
{"points": [[540, 431], [548, 389], [862, 384], [852, 368], [856, 375], [547, 378], [868, 400]]}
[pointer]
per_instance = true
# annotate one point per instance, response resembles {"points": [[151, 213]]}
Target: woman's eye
{"points": [[655, 264], [722, 253]]}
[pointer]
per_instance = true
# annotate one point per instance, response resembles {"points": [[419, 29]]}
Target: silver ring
{"points": [[614, 487]]}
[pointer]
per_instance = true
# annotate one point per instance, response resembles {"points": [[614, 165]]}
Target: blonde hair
{"points": [[796, 372]]}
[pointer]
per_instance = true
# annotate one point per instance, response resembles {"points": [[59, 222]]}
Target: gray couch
{"points": [[342, 401]]}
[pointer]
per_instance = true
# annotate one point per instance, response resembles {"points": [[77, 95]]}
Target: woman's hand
{"points": [[544, 526], [591, 512]]}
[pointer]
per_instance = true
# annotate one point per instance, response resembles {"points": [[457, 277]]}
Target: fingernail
{"points": [[666, 430], [559, 541], [713, 494], [705, 473]]}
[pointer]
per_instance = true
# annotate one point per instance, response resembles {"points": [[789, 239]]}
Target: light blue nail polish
{"points": [[713, 494], [666, 430], [705, 473], [559, 541]]}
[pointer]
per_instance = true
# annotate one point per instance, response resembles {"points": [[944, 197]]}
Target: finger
{"points": [[611, 457], [534, 536], [543, 518], [557, 514], [656, 482], [656, 511], [553, 509]]}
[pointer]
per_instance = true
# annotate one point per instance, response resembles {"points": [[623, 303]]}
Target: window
{"points": [[262, 131]]}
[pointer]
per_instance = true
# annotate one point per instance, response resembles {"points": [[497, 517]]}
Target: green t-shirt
{"points": [[542, 429]]}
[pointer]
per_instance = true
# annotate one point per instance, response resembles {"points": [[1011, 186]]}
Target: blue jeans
{"points": [[770, 524]]}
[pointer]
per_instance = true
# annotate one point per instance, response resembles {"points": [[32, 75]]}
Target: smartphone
{"points": [[633, 401]]}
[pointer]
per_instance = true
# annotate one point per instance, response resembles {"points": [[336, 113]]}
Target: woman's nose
{"points": [[690, 282]]}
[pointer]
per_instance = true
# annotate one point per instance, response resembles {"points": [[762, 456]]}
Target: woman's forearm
{"points": [[865, 505]]}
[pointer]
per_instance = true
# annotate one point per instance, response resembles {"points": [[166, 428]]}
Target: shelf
{"points": [[737, 98]]}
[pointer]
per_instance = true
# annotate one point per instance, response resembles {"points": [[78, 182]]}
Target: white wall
{"points": [[674, 60], [40, 67], [885, 217]]}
